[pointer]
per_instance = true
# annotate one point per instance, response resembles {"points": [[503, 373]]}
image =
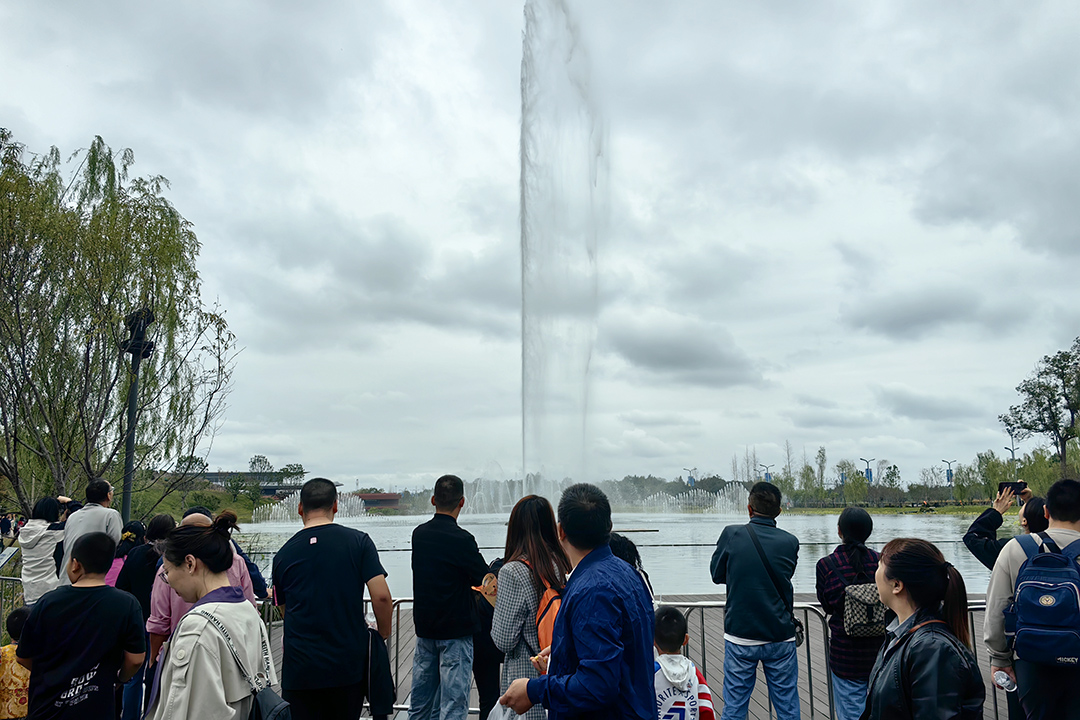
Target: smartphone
{"points": [[1017, 487]]}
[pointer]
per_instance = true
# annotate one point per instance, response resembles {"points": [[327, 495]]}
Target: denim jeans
{"points": [[134, 691], [781, 665], [849, 697], [441, 678]]}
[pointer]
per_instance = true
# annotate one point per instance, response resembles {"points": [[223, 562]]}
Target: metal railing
{"points": [[706, 632], [819, 638]]}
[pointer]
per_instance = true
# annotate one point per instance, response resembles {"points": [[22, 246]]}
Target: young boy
{"points": [[82, 639], [681, 692], [14, 678]]}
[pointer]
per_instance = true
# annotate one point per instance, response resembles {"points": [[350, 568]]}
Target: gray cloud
{"points": [[916, 405], [916, 312], [683, 350]]}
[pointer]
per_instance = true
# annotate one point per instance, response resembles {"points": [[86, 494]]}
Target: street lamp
{"points": [[140, 348], [768, 477], [1012, 449], [690, 473], [869, 475], [948, 472]]}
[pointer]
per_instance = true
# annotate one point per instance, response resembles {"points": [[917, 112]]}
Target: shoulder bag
{"points": [[268, 704], [864, 615], [800, 632]]}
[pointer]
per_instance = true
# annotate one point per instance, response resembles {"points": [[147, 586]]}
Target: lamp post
{"points": [[768, 477], [869, 475], [140, 348], [690, 473], [1012, 449], [948, 471]]}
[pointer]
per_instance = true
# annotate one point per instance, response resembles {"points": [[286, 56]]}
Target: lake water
{"points": [[675, 552]]}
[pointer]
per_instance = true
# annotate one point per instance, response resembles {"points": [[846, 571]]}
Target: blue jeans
{"points": [[134, 690], [441, 678], [781, 665], [849, 697]]}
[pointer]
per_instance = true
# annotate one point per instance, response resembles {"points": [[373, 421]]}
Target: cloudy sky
{"points": [[846, 224]]}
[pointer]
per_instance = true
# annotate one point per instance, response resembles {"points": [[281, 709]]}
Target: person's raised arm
{"points": [[981, 538], [381, 604]]}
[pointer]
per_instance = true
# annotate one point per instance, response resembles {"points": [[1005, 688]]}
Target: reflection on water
{"points": [[675, 551]]}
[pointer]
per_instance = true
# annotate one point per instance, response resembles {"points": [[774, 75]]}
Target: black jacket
{"points": [[754, 610], [925, 674], [982, 540], [446, 564], [138, 574]]}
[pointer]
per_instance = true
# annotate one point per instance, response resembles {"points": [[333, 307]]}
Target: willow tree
{"points": [[79, 251]]}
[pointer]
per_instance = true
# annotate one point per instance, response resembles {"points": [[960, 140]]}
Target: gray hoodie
{"points": [[37, 543]]}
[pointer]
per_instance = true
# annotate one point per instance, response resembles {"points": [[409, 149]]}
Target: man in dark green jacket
{"points": [[758, 622]]}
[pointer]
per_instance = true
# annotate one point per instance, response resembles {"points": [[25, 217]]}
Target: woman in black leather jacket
{"points": [[925, 670]]}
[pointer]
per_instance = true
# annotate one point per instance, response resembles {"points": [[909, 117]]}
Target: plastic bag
{"points": [[502, 712]]}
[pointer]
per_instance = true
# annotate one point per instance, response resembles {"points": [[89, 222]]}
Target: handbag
{"points": [[268, 704], [864, 614], [800, 631]]}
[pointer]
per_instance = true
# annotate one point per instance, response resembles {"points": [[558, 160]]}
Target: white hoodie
{"points": [[681, 692], [37, 543]]}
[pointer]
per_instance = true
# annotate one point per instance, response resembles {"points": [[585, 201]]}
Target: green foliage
{"points": [[210, 501], [292, 473], [235, 485], [1039, 469], [78, 253], [253, 492], [855, 484], [1049, 402]]}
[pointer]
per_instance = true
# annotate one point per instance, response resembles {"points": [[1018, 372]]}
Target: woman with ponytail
{"points": [[926, 668], [131, 537], [852, 563], [198, 675], [535, 561]]}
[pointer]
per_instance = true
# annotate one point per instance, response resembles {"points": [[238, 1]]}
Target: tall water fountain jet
{"points": [[563, 214]]}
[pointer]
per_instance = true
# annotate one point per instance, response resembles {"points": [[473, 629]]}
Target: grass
{"points": [[964, 510], [173, 504]]}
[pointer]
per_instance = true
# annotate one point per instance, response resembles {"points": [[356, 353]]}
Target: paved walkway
{"points": [[707, 650]]}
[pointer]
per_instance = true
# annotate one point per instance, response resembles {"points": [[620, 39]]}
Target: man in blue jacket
{"points": [[601, 662], [758, 622]]}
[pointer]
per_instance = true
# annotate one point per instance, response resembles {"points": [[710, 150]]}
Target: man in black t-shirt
{"points": [[446, 564], [319, 577], [82, 639]]}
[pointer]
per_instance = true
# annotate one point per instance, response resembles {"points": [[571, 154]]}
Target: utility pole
{"points": [[140, 349]]}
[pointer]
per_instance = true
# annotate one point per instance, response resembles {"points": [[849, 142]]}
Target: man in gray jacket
{"points": [[94, 516], [758, 621], [1045, 691]]}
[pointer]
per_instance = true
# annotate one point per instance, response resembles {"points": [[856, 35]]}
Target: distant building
{"points": [[274, 483], [380, 500]]}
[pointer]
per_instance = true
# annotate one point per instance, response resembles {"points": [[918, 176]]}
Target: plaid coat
{"points": [[513, 629]]}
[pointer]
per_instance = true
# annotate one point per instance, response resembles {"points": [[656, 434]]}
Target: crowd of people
{"points": [[563, 625]]}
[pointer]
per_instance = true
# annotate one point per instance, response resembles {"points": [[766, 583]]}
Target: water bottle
{"points": [[1005, 682]]}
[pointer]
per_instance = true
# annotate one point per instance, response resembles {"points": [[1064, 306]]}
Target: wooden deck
{"points": [[706, 648]]}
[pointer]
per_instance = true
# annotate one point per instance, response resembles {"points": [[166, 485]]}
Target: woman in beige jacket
{"points": [[198, 677]]}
